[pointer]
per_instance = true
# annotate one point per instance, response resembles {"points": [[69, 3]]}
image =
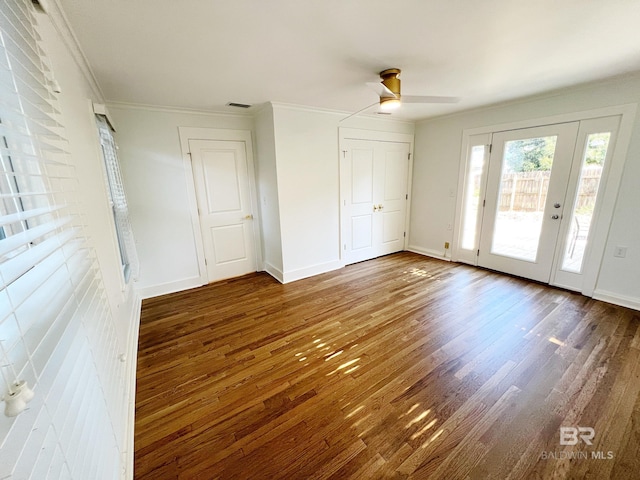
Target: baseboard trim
{"points": [[623, 301], [429, 253], [293, 275], [274, 272], [132, 365], [170, 287]]}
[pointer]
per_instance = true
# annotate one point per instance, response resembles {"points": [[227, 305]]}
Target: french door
{"points": [[531, 200], [374, 196]]}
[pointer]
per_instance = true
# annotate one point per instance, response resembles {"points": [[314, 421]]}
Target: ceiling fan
{"points": [[389, 92], [390, 97]]}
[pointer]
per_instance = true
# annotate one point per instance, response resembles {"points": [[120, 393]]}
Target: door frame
{"points": [[203, 133], [627, 113], [346, 133]]}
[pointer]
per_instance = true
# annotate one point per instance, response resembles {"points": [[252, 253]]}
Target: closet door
{"points": [[374, 198]]}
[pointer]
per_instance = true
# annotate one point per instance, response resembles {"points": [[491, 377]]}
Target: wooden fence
{"points": [[527, 191]]}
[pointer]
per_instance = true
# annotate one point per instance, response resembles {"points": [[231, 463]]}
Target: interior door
{"points": [[374, 178], [223, 195], [527, 182]]}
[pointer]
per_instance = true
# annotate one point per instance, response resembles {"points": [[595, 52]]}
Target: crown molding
{"points": [[58, 18], [184, 110]]}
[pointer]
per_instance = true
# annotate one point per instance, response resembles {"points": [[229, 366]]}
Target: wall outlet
{"points": [[446, 245], [620, 252]]}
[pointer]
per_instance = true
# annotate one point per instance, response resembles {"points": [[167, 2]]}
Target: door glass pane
{"points": [[472, 198], [526, 169], [586, 194]]}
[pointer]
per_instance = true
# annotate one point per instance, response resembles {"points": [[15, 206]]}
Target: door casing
{"points": [[627, 115], [197, 133], [346, 134]]}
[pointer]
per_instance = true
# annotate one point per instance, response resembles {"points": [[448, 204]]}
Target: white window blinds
{"points": [[118, 199], [56, 330]]}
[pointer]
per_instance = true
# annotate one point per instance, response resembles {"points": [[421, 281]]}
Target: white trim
{"points": [[616, 299], [170, 287], [185, 110], [609, 111], [130, 381], [293, 275], [274, 272], [347, 133], [428, 253], [204, 133], [376, 135], [60, 22], [627, 112], [101, 109]]}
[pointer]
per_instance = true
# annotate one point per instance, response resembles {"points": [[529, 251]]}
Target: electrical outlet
{"points": [[446, 245], [620, 252]]}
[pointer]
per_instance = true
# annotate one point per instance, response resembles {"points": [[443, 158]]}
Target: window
{"points": [[117, 199], [57, 333]]}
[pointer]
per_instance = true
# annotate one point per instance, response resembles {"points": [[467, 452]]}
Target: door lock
{"points": [[556, 205]]}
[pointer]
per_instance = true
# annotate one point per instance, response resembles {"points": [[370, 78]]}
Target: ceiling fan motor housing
{"points": [[391, 81]]}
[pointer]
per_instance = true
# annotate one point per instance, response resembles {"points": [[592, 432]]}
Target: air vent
{"points": [[238, 105]]}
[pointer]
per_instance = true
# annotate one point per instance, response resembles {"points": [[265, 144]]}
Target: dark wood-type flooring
{"points": [[399, 367]]}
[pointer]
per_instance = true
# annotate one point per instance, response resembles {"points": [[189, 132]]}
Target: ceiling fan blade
{"points": [[381, 90], [428, 99]]}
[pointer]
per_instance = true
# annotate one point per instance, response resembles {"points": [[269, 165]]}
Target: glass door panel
{"points": [[587, 192], [527, 181], [522, 197], [472, 198]]}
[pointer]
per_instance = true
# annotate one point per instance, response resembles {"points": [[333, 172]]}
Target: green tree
{"points": [[597, 148], [530, 154]]}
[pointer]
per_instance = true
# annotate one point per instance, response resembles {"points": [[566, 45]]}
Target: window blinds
{"points": [[118, 199], [56, 330]]}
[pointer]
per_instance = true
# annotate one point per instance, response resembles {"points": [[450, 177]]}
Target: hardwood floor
{"points": [[399, 367]]}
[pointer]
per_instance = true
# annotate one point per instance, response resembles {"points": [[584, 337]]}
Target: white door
{"points": [[528, 176], [223, 194], [374, 198]]}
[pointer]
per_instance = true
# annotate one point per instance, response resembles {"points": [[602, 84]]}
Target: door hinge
{"points": [[205, 262], [490, 147], [483, 202], [344, 153], [404, 234], [409, 156], [478, 253], [406, 197]]}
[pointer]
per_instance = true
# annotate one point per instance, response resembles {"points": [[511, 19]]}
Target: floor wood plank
{"points": [[399, 367]]}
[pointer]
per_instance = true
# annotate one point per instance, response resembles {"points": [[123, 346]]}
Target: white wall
{"points": [[437, 156], [81, 131], [83, 372], [267, 185], [307, 159], [156, 183]]}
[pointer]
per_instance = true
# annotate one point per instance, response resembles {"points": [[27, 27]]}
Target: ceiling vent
{"points": [[238, 105]]}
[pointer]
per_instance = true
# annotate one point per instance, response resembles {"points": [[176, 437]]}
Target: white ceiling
{"points": [[201, 54]]}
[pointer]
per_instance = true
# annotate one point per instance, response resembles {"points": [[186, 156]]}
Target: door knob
{"points": [[375, 208], [555, 217], [248, 217], [380, 207]]}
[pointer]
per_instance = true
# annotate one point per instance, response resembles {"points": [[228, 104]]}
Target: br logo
{"points": [[572, 435]]}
